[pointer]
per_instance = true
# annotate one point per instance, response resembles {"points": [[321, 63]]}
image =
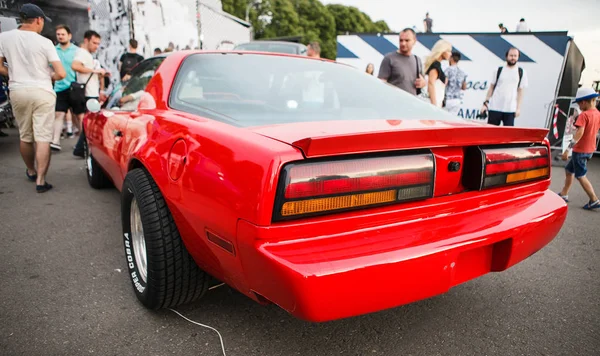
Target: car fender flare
{"points": [[146, 157]]}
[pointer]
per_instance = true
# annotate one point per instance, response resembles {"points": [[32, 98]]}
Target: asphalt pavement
{"points": [[63, 290]]}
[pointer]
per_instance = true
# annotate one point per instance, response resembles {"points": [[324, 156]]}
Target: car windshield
{"points": [[253, 90], [269, 47]]}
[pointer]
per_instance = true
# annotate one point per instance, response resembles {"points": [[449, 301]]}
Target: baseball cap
{"points": [[31, 11], [585, 94]]}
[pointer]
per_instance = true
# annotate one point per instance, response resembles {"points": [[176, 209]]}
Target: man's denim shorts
{"points": [[578, 164]]}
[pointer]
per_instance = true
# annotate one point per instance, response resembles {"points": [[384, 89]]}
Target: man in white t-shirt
{"points": [[504, 98], [32, 65], [88, 71], [522, 26], [86, 67]]}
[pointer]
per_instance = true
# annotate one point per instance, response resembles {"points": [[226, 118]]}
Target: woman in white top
{"points": [[434, 75]]}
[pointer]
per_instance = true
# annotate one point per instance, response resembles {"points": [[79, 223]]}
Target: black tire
{"points": [[172, 276], [95, 175]]}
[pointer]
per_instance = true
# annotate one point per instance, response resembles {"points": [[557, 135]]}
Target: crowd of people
{"points": [[51, 84], [503, 102], [444, 88]]}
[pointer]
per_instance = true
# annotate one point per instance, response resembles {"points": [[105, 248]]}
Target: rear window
{"points": [[253, 90]]}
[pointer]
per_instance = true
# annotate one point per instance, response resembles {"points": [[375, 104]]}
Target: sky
{"points": [[581, 18]]}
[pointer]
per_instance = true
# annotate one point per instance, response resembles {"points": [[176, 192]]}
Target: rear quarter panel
{"points": [[226, 176]]}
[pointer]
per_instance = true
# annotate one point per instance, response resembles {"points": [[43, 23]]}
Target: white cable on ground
{"points": [[205, 326], [217, 286]]}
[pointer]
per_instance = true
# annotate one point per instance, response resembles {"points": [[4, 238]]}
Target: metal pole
{"points": [[199, 23]]}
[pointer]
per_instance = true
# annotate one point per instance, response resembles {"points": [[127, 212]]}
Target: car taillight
{"points": [[314, 188], [492, 167]]}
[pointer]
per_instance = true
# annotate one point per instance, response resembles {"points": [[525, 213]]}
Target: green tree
{"points": [[382, 27], [317, 25], [307, 18], [349, 19], [341, 14], [236, 8], [276, 18]]}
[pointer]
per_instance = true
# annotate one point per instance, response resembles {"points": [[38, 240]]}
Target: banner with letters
{"points": [[542, 58]]}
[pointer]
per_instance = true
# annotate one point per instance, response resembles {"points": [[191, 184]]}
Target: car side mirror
{"points": [[93, 105]]}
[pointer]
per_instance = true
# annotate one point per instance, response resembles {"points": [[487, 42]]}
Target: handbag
{"points": [[77, 90]]}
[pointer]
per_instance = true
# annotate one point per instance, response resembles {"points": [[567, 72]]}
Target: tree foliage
{"points": [[309, 19], [317, 25], [236, 8], [279, 19]]}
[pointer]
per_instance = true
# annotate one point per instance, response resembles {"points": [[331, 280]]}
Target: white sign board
{"points": [[542, 58]]}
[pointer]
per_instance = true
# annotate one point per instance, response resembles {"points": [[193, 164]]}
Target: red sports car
{"points": [[309, 184]]}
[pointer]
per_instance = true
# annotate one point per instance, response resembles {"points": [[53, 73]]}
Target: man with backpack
{"points": [[130, 59], [504, 98]]}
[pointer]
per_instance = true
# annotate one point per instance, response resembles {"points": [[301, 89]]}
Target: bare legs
{"points": [[40, 153], [585, 184]]}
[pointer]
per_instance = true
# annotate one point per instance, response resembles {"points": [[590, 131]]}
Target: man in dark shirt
{"points": [[401, 68], [428, 23], [130, 59]]}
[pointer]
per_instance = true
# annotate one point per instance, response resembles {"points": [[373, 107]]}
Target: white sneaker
{"points": [[55, 147]]}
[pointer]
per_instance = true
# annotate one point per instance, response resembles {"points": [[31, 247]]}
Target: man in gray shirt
{"points": [[401, 68]]}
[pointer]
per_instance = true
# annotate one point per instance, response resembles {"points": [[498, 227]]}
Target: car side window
{"points": [[125, 97]]}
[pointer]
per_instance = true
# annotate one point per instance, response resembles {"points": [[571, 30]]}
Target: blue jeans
{"points": [[578, 164]]}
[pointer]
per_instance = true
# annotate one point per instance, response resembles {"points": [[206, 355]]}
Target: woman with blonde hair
{"points": [[434, 75]]}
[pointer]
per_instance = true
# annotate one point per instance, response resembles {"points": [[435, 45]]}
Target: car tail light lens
{"points": [[314, 188], [491, 167]]}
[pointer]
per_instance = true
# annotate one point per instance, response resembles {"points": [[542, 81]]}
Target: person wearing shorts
{"points": [[66, 52], [584, 144], [32, 65]]}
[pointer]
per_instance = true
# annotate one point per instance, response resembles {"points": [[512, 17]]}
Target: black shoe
{"points": [[32, 178], [55, 147], [43, 188], [79, 153]]}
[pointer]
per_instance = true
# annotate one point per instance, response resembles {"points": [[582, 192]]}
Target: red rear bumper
{"points": [[328, 276]]}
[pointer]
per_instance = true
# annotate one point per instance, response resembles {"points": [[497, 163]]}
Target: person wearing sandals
{"points": [[435, 77], [583, 145], [32, 66]]}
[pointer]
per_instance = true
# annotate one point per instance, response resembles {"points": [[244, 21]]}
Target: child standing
{"points": [[583, 145]]}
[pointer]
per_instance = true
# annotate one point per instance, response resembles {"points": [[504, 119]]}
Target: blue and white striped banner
{"points": [[542, 56]]}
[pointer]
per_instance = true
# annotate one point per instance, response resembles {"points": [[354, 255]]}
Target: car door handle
{"points": [[117, 133]]}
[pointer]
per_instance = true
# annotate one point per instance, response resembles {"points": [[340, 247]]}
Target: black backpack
{"points": [[500, 72], [129, 63]]}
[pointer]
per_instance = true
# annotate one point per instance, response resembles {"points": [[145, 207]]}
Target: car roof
{"points": [[188, 53], [273, 42]]}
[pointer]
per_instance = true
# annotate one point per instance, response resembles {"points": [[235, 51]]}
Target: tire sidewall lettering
{"points": [[138, 283]]}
